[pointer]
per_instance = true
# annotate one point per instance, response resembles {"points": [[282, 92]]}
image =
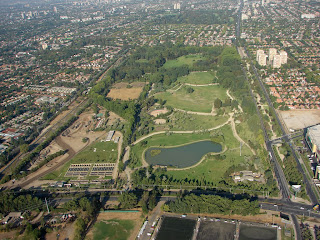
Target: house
{"points": [[12, 216]]}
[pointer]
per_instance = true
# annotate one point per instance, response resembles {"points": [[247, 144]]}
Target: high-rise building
{"points": [[276, 62], [262, 60], [258, 53], [284, 57], [177, 6], [272, 52]]}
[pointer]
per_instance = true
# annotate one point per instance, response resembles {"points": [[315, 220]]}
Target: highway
{"points": [[282, 182]]}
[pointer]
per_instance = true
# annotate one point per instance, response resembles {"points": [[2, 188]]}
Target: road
{"points": [[282, 182]]}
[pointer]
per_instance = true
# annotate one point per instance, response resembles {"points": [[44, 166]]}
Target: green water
{"points": [[173, 228], [183, 156], [257, 233]]}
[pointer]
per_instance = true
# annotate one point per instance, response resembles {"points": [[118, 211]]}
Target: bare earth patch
{"points": [[298, 119], [135, 216], [125, 93], [160, 121], [65, 232], [113, 118], [157, 112]]}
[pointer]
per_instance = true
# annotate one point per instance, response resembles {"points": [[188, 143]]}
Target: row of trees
{"points": [[212, 204], [10, 202], [159, 176]]}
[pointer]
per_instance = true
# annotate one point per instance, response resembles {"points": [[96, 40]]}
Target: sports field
{"points": [[201, 100], [188, 60], [113, 229]]}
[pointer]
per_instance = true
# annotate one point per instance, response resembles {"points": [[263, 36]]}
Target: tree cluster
{"points": [[212, 204]]}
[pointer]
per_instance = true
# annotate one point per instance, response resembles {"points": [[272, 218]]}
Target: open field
{"points": [[298, 119], [201, 100], [126, 91], [116, 225], [188, 60], [197, 78], [184, 121]]}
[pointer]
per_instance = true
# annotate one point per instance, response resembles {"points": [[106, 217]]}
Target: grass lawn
{"points": [[102, 154], [188, 60], [113, 229], [201, 100], [184, 121], [197, 78]]}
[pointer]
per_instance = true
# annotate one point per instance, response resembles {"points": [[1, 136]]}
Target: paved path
{"points": [[235, 134], [196, 113], [153, 217]]}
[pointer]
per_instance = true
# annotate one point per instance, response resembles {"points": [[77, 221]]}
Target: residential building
{"points": [[262, 60], [259, 52], [272, 53], [276, 62], [283, 57]]}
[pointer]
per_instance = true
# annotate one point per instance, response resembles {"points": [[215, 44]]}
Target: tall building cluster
{"points": [[274, 59], [177, 6]]}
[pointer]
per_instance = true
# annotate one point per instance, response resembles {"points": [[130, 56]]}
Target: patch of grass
{"points": [[188, 60], [98, 152], [201, 100], [197, 78], [113, 229], [155, 152], [185, 121]]}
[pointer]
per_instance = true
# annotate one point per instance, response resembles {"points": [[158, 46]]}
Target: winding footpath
{"points": [[190, 131]]}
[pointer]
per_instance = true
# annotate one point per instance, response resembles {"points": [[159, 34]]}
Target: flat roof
{"points": [[314, 133]]}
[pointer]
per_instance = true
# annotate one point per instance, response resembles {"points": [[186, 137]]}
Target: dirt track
{"points": [[42, 172]]}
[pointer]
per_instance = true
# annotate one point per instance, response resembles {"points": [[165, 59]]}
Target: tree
{"points": [[190, 90], [128, 200], [217, 103], [24, 148]]}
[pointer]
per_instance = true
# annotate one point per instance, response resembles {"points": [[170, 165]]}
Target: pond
{"points": [[257, 233], [173, 228], [181, 157]]}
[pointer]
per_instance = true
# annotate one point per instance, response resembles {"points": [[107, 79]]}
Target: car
{"points": [[302, 208]]}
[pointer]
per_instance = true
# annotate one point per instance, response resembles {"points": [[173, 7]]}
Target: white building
{"points": [[258, 53], [262, 59], [272, 53], [284, 57], [276, 63]]}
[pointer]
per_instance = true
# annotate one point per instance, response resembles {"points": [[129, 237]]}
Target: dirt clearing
{"points": [[298, 119], [125, 93], [156, 113]]}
